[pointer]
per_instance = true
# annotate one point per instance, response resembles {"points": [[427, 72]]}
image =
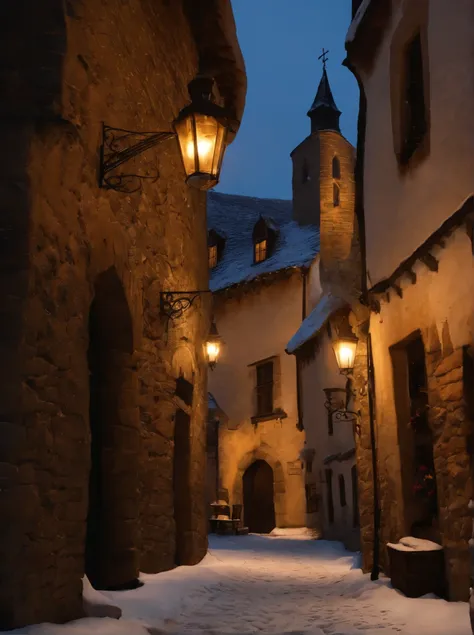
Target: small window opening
{"points": [[330, 501], [260, 251], [414, 120], [355, 497], [336, 195], [264, 389], [342, 491], [336, 168]]}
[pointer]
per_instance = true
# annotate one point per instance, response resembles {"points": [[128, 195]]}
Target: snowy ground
{"points": [[252, 584]]}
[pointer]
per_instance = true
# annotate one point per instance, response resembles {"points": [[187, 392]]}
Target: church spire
{"points": [[324, 113]]}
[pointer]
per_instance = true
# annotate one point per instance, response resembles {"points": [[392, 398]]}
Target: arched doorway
{"points": [[259, 507], [112, 521]]}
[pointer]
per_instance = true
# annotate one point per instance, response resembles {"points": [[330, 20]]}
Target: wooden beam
{"points": [[387, 297], [430, 261], [412, 275], [398, 290], [458, 219]]}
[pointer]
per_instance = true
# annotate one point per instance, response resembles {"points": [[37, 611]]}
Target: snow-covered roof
{"points": [[356, 22], [315, 321], [235, 216]]}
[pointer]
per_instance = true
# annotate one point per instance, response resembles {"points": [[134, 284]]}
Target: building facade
{"points": [[259, 257], [414, 174], [323, 182], [103, 401]]}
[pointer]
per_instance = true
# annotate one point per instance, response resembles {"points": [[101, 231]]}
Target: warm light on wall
{"points": [[213, 346], [345, 350], [200, 128]]}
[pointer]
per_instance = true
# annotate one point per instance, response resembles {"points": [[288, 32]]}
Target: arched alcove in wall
{"points": [[112, 520]]}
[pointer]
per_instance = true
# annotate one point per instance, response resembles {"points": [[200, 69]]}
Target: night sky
{"points": [[281, 41]]}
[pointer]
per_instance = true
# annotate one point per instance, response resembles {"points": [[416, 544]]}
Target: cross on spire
{"points": [[324, 57]]}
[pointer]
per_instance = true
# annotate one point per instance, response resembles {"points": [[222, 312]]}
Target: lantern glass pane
{"points": [[213, 349], [185, 130], [345, 351], [219, 149], [206, 136]]}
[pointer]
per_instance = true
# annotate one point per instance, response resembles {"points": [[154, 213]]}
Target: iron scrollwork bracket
{"points": [[173, 304], [343, 413], [120, 146]]}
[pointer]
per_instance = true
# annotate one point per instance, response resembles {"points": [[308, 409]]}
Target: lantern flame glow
{"points": [[345, 350]]}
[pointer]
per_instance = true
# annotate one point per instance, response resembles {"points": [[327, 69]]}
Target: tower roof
{"points": [[324, 113]]}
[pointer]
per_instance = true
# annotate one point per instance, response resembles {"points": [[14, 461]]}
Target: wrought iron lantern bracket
{"points": [[343, 413], [173, 304], [120, 146]]}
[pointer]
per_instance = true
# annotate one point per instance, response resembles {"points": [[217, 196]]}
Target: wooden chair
{"points": [[239, 529]]}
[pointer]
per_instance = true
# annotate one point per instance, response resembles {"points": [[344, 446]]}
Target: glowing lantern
{"points": [[202, 130], [345, 350], [213, 346]]}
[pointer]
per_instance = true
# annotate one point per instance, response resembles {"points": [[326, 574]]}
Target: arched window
{"points": [[336, 168], [336, 195]]}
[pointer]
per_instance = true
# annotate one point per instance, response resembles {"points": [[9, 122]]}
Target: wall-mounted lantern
{"points": [[201, 130], [338, 399], [213, 346], [345, 351]]}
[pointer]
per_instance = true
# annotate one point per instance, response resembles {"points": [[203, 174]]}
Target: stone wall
{"points": [[305, 181], [127, 64], [438, 305], [451, 431], [340, 252]]}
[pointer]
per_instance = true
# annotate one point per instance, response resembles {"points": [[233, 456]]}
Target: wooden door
{"points": [[259, 508]]}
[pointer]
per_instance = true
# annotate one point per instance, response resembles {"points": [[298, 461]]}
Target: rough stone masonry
{"points": [[81, 271]]}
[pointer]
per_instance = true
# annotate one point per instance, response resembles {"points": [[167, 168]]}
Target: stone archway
{"points": [[112, 522], [259, 504], [262, 453]]}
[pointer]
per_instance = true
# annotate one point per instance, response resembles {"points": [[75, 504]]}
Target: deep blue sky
{"points": [[281, 41]]}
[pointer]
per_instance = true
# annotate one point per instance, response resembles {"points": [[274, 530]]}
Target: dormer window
{"points": [[215, 248], [260, 251], [264, 237]]}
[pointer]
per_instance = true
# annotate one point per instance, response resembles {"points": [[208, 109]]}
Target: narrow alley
{"points": [[278, 585]]}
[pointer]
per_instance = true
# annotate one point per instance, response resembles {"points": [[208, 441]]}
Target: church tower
{"points": [[323, 186]]}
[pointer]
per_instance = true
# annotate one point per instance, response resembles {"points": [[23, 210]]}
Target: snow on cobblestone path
{"points": [[262, 584], [265, 584]]}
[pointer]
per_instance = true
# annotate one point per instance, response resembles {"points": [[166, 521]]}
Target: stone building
{"points": [[323, 182], [259, 259], [97, 388], [415, 200]]}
